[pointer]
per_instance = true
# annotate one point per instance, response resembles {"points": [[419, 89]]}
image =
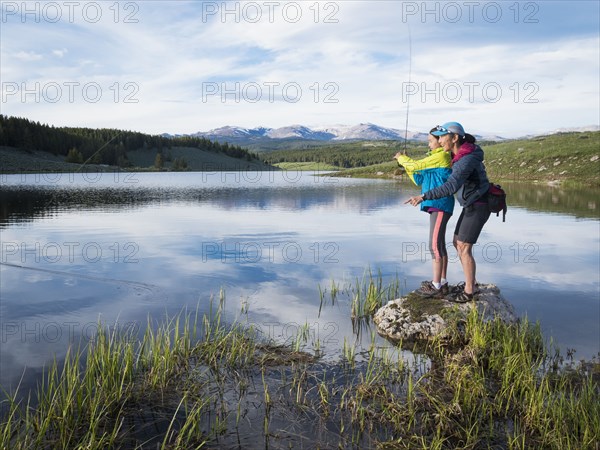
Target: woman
{"points": [[470, 182], [430, 172]]}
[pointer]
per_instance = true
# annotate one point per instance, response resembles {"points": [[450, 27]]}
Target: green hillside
{"points": [[14, 160], [571, 157], [346, 155], [195, 159], [28, 146], [564, 157], [265, 145]]}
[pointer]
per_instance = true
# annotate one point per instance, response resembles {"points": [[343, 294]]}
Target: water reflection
{"points": [[23, 199], [580, 202], [75, 252]]}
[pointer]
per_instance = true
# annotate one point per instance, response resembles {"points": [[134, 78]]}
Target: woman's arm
{"points": [[460, 172]]}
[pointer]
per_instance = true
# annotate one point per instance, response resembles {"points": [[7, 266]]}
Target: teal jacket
{"points": [[429, 173], [468, 180]]}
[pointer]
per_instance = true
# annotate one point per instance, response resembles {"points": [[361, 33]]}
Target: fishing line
{"points": [[98, 151], [152, 289], [155, 292]]}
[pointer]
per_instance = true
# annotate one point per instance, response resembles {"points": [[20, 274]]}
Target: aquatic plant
{"points": [[194, 382]]}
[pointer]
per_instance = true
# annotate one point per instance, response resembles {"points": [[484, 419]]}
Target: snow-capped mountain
{"points": [[300, 132], [366, 131], [576, 129], [360, 132], [363, 131], [235, 132]]}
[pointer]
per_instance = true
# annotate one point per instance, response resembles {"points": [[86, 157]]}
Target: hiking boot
{"points": [[444, 290], [460, 287], [427, 289], [461, 296]]}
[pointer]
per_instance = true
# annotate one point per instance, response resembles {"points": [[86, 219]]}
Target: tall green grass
{"points": [[199, 382], [86, 400]]}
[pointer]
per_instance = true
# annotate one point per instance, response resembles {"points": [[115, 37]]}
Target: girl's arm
{"points": [[414, 166]]}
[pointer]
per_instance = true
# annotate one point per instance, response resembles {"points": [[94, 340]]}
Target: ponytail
{"points": [[469, 138]]}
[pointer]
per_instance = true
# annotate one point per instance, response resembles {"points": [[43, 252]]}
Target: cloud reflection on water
{"points": [[269, 245]]}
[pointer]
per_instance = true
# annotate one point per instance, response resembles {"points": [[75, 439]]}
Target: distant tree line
{"points": [[347, 155], [100, 146]]}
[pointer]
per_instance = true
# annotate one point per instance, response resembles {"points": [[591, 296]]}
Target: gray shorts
{"points": [[471, 222]]}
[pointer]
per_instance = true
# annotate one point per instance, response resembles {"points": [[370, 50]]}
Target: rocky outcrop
{"points": [[413, 319]]}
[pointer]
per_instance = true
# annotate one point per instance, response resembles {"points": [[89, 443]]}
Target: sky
{"points": [[510, 68]]}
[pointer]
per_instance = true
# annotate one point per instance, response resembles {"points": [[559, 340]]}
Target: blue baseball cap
{"points": [[449, 127]]}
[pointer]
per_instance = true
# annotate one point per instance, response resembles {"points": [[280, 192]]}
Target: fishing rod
{"points": [[409, 83]]}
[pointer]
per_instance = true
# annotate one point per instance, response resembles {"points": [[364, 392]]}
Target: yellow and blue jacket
{"points": [[430, 172]]}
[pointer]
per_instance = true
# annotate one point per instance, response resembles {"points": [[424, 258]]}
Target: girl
{"points": [[430, 172]]}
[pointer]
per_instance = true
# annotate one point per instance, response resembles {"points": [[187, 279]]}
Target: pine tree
{"points": [[158, 161], [74, 156]]}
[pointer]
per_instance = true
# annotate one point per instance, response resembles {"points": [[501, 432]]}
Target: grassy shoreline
{"points": [[306, 166], [390, 171], [197, 382], [567, 159], [15, 161]]}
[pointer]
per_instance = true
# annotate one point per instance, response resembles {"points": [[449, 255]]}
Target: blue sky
{"points": [[511, 68]]}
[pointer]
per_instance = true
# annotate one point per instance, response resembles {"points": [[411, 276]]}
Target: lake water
{"points": [[79, 248]]}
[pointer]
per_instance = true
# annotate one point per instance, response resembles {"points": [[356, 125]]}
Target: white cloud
{"points": [[60, 53], [28, 56], [173, 54]]}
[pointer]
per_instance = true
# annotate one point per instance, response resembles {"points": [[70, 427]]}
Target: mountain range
{"points": [[363, 132], [360, 132]]}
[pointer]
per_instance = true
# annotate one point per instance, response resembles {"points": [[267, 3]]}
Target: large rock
{"points": [[413, 319]]}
